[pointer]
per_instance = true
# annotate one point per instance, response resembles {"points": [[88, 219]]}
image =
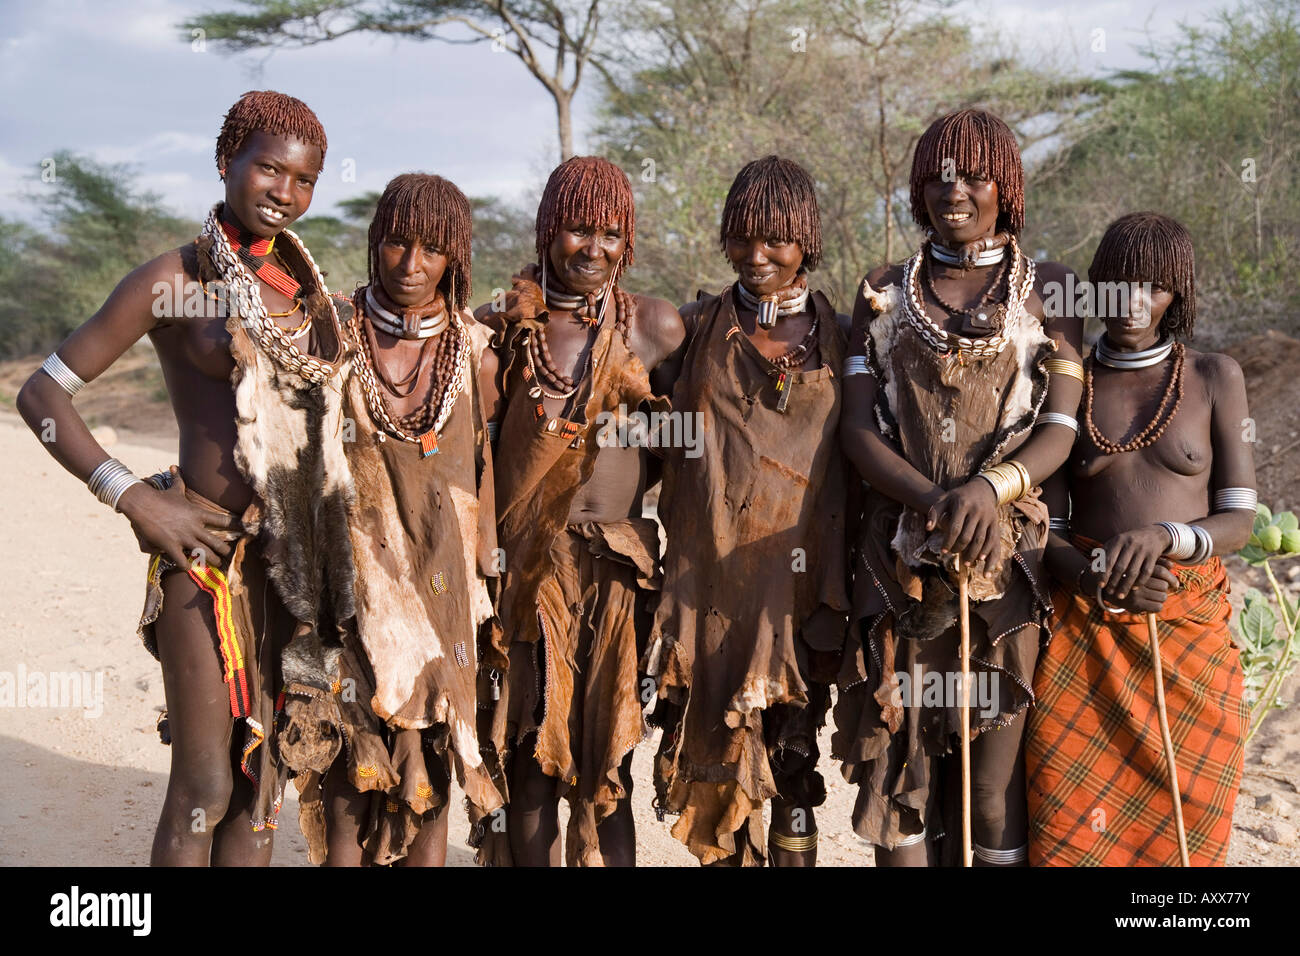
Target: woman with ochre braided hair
{"points": [[423, 529], [748, 632], [579, 557], [1160, 482], [960, 397], [249, 591]]}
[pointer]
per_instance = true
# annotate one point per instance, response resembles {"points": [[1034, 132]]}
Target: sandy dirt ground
{"points": [[84, 785]]}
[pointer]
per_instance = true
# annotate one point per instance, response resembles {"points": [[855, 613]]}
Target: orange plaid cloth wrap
{"points": [[1097, 780]]}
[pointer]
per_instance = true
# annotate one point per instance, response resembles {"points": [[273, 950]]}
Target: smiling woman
{"points": [[572, 345], [279, 147], [948, 379], [747, 635], [246, 627]]}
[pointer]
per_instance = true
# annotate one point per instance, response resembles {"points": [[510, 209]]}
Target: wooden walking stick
{"points": [[1168, 740], [963, 601]]}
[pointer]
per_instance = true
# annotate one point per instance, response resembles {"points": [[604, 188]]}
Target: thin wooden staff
{"points": [[1168, 740], [963, 601]]}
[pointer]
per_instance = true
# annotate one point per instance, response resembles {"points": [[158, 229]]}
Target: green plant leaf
{"points": [[1253, 554], [1258, 622], [1286, 520]]}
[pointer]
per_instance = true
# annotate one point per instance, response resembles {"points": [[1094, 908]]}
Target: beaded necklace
{"points": [[253, 252], [247, 294], [1159, 422], [539, 354], [976, 310], [939, 338], [451, 366]]}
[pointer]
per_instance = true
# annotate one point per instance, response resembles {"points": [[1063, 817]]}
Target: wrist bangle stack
{"points": [[856, 365], [1204, 545], [1057, 418], [1236, 499], [1059, 524], [1190, 544], [1010, 480], [493, 429], [1182, 540], [1058, 366], [64, 377], [109, 481]]}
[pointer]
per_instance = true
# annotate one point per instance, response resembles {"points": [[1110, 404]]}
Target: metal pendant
{"points": [[767, 313], [783, 387]]}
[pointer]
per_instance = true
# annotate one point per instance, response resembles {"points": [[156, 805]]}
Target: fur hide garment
{"points": [[289, 448]]}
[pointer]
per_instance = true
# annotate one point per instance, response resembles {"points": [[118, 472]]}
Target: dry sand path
{"points": [[86, 789]]}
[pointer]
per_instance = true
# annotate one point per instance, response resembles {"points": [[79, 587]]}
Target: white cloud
{"points": [[159, 144]]}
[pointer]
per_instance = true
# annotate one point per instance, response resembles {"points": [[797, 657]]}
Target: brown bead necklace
{"points": [[1151, 434], [799, 354], [539, 353], [449, 368]]}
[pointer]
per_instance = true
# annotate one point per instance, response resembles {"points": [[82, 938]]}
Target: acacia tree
{"points": [[553, 39], [843, 88], [1208, 132]]}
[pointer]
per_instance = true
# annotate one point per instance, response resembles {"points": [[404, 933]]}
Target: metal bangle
{"points": [[911, 839], [1106, 607], [792, 844], [64, 377], [110, 480], [1058, 524], [1182, 540], [1015, 855], [1234, 499], [493, 429], [856, 365], [1059, 366], [1026, 482], [1058, 418], [998, 481], [1204, 546]]}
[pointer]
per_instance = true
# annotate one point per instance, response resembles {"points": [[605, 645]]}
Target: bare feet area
{"points": [[85, 783]]}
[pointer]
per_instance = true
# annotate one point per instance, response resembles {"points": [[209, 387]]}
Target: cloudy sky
{"points": [[118, 80]]}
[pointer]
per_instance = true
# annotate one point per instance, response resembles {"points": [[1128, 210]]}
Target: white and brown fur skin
{"points": [[399, 639], [290, 450], [412, 662], [1031, 345]]}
